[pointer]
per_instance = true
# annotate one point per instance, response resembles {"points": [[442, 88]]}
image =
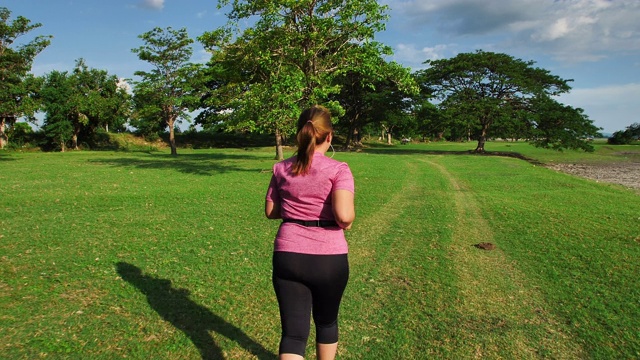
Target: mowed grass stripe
{"points": [[400, 276], [364, 308], [500, 313]]}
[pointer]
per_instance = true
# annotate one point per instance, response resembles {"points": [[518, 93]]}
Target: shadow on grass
{"points": [[198, 164], [189, 317], [399, 150], [6, 157]]}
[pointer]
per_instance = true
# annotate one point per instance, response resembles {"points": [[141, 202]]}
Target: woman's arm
{"points": [[272, 209], [343, 208]]}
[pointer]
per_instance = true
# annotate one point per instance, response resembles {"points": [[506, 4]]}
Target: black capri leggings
{"points": [[304, 283]]}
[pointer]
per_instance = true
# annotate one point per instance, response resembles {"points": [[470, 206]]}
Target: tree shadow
{"points": [[194, 320], [399, 150], [6, 157], [198, 164]]}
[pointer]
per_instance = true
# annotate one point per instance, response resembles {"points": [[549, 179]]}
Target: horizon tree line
{"points": [[259, 78]]}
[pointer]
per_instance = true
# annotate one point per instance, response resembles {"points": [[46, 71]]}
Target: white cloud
{"points": [[612, 107], [410, 55], [123, 84], [568, 30], [152, 4]]}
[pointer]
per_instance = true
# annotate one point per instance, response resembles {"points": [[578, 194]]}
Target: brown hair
{"points": [[314, 125]]}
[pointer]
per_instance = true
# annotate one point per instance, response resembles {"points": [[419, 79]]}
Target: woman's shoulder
{"points": [[330, 164], [284, 164]]}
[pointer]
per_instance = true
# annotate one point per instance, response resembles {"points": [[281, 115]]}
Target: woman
{"points": [[313, 195]]}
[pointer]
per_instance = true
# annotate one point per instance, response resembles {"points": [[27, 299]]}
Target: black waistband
{"points": [[312, 223]]}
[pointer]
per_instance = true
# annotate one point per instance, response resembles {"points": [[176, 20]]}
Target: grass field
{"points": [[140, 255]]}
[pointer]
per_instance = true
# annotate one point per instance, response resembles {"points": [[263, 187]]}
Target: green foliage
{"points": [[81, 102], [165, 93], [288, 60], [56, 92], [485, 89], [378, 95], [627, 136], [559, 126], [431, 122], [21, 134], [18, 88]]}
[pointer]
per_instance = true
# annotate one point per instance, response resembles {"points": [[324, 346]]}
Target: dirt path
{"points": [[625, 174]]}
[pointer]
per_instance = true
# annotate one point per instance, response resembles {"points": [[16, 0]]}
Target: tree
{"points": [[83, 101], [289, 59], [431, 122], [493, 88], [170, 89], [380, 95], [558, 126], [100, 97], [56, 92], [17, 86], [627, 136]]}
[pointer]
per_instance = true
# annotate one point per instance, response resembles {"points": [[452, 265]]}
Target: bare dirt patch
{"points": [[625, 174]]}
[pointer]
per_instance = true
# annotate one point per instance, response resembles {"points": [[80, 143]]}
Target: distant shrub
{"points": [[627, 136]]}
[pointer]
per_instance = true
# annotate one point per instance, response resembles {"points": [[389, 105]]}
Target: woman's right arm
{"points": [[272, 201], [272, 209], [343, 208]]}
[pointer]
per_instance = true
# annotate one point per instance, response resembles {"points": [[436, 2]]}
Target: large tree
{"points": [[493, 88], [288, 59], [169, 90], [82, 101], [379, 95], [60, 111], [627, 136], [17, 85]]}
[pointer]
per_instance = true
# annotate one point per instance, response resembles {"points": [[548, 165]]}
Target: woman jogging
{"points": [[314, 196]]}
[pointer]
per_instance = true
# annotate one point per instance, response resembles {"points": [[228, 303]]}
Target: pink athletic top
{"points": [[308, 197]]}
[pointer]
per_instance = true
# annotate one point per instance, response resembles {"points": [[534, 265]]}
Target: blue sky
{"points": [[594, 42]]}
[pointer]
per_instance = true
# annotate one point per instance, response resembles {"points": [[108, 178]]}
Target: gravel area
{"points": [[626, 174]]}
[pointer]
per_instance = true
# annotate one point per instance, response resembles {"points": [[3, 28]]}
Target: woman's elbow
{"points": [[345, 218]]}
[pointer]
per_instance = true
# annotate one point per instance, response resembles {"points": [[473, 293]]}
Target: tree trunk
{"points": [[349, 137], [482, 139], [172, 137], [388, 138], [74, 140], [4, 139], [63, 146], [279, 152], [357, 137]]}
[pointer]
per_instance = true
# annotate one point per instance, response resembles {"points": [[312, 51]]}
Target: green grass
{"points": [[141, 255], [603, 153]]}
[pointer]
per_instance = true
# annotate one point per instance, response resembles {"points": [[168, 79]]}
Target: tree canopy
{"points": [[17, 85], [626, 136], [170, 89], [84, 100], [289, 59], [484, 89]]}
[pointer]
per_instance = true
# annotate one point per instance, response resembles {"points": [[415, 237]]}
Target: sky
{"points": [[596, 43]]}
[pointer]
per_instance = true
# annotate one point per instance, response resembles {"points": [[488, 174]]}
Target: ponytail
{"points": [[314, 125]]}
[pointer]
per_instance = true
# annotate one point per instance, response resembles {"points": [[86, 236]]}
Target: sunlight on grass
{"points": [[142, 255]]}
